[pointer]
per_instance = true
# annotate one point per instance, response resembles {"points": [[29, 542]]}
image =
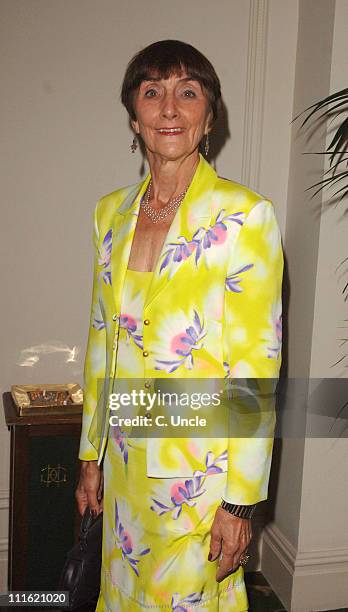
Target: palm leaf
{"points": [[340, 95], [333, 105]]}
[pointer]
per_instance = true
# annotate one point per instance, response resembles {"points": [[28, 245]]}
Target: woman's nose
{"points": [[169, 108]]}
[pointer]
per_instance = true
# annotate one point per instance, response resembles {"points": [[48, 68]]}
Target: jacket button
{"points": [[115, 317], [147, 384], [146, 322], [145, 353]]}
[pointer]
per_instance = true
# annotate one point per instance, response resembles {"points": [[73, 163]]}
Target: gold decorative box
{"points": [[48, 399]]}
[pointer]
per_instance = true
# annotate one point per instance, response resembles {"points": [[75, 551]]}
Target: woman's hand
{"points": [[89, 490], [229, 535]]}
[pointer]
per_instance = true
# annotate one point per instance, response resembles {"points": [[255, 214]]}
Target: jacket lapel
{"points": [[195, 212], [123, 230]]}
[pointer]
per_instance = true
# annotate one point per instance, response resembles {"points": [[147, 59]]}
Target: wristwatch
{"points": [[238, 509]]}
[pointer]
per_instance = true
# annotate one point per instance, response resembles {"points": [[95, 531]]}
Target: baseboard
{"points": [[305, 581], [278, 563]]}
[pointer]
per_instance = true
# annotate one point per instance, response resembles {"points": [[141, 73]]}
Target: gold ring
{"points": [[244, 559]]}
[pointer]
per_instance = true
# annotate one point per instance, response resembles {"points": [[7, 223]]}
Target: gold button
{"points": [[146, 322], [145, 353], [147, 385], [114, 317]]}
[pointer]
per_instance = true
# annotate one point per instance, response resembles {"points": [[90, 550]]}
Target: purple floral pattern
{"points": [[211, 464], [104, 259], [232, 282], [97, 321], [201, 240], [227, 369], [125, 542], [186, 492], [182, 345], [274, 351], [180, 605], [121, 440], [129, 323]]}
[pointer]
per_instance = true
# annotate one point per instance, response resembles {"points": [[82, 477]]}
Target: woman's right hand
{"points": [[89, 488]]}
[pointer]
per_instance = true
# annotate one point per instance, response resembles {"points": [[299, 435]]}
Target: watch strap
{"points": [[238, 509]]}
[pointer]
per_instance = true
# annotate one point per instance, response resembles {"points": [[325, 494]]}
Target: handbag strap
{"points": [[87, 522]]}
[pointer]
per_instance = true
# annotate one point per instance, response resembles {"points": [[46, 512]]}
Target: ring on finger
{"points": [[244, 559]]}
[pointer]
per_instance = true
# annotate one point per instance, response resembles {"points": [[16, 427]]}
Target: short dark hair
{"points": [[163, 59]]}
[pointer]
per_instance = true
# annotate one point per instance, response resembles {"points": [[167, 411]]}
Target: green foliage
{"points": [[332, 107]]}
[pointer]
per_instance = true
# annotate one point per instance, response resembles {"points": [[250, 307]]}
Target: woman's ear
{"points": [[135, 126], [209, 122]]}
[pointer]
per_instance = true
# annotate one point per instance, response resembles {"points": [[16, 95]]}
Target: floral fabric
{"points": [[214, 311], [156, 530]]}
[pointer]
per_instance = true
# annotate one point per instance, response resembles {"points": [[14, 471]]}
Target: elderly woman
{"points": [[187, 284]]}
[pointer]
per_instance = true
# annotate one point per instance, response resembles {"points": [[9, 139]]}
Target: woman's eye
{"points": [[150, 93], [189, 93]]}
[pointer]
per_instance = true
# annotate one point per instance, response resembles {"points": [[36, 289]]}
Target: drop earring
{"points": [[134, 144], [206, 145]]}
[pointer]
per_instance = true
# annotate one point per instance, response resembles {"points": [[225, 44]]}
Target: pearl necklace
{"points": [[155, 214]]}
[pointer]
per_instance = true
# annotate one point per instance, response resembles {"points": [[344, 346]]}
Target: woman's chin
{"points": [[172, 152]]}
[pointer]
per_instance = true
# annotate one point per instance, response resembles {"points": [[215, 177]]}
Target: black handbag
{"points": [[81, 572]]}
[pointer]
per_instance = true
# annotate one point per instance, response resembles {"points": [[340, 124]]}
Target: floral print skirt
{"points": [[156, 539], [157, 530]]}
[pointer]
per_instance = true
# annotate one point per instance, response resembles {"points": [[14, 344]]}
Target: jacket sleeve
{"points": [[95, 360], [252, 351]]}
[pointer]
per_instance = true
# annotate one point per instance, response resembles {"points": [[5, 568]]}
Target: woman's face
{"points": [[172, 115]]}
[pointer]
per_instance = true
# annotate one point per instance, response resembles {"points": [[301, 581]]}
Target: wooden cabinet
{"points": [[43, 520]]}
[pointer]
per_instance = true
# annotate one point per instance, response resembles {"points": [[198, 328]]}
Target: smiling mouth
{"points": [[170, 131]]}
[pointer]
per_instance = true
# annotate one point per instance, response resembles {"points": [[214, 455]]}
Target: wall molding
{"points": [[306, 561], [3, 547], [304, 580], [328, 560], [255, 92], [280, 546], [4, 499]]}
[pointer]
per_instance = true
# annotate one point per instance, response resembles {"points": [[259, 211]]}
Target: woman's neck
{"points": [[169, 178]]}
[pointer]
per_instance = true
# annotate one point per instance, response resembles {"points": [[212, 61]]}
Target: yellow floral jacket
{"points": [[213, 310]]}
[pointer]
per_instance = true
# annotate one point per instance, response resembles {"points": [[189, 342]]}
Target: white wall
{"points": [[330, 314], [278, 102], [329, 460], [306, 546], [325, 471]]}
